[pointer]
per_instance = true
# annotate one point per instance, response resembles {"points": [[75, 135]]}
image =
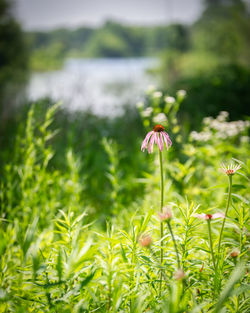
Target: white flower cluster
{"points": [[202, 136], [220, 128]]}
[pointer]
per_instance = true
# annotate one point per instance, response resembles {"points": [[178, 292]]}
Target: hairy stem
{"points": [[175, 245], [161, 225], [211, 243], [228, 202]]}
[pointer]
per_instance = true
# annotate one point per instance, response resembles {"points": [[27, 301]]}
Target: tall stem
{"points": [[175, 245], [211, 243], [162, 198], [228, 202]]}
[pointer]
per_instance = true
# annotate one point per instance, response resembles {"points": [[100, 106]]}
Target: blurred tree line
{"points": [[110, 40], [14, 56]]}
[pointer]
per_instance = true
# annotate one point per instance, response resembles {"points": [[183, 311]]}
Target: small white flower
{"points": [[151, 88], [160, 118], [147, 112], [169, 99], [207, 120], [139, 105], [181, 93], [157, 94]]}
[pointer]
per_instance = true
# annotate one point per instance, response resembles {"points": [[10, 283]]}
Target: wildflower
{"points": [[147, 112], [169, 99], [223, 115], [181, 93], [160, 118], [157, 94], [145, 241], [235, 253], [157, 135], [179, 274], [151, 88], [209, 216], [166, 215], [230, 169], [140, 105]]}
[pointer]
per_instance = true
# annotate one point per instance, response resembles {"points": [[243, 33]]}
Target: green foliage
{"points": [[214, 68], [55, 253], [223, 89], [223, 30]]}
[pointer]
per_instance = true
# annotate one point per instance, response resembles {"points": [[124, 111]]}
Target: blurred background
{"points": [[98, 59]]}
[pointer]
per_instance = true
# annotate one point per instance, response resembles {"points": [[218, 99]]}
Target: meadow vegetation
{"points": [[80, 202], [83, 234]]}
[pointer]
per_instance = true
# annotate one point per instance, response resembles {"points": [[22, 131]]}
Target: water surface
{"points": [[100, 85]]}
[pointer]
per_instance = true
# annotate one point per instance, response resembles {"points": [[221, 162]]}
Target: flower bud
{"points": [[179, 274], [235, 253], [166, 215], [145, 241]]}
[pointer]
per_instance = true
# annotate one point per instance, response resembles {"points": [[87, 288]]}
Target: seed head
{"points": [[158, 128]]}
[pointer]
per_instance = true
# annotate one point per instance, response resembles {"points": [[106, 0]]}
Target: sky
{"points": [[49, 14]]}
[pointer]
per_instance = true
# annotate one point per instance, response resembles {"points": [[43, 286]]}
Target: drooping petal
{"points": [[157, 140], [218, 215], [160, 141], [145, 141], [201, 216], [151, 143], [167, 140]]}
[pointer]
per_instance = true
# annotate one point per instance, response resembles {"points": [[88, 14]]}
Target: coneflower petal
{"points": [[167, 140], [158, 141], [218, 215], [145, 141], [151, 143], [202, 216], [161, 142]]}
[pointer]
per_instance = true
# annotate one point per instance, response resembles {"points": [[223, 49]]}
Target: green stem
{"points": [[211, 243], [162, 197], [175, 245], [228, 202]]}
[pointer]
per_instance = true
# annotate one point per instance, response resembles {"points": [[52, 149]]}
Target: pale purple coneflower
{"points": [[209, 216], [158, 136], [230, 169]]}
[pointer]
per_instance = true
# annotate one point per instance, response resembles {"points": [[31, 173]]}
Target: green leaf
{"points": [[235, 277], [87, 279]]}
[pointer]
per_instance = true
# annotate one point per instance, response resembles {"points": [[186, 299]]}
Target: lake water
{"points": [[100, 85]]}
